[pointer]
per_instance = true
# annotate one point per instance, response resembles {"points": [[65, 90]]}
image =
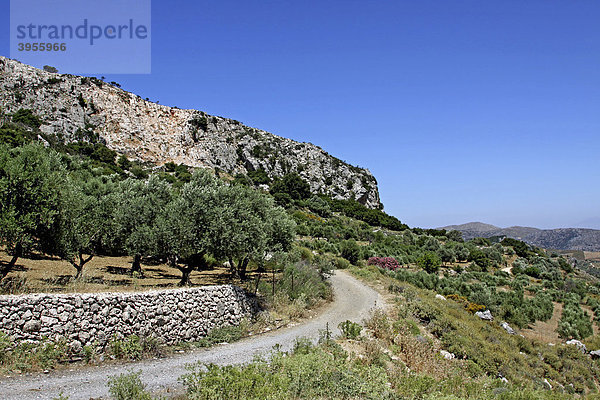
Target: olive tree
{"points": [[245, 225], [446, 254], [137, 207], [30, 181], [82, 224], [429, 261], [182, 237]]}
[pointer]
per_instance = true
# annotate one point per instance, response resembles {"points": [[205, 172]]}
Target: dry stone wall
{"points": [[93, 319]]}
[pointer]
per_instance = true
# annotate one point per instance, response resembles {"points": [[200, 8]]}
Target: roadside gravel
{"points": [[352, 301]]}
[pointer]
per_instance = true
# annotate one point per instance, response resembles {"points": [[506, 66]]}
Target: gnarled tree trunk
{"points": [[13, 261], [136, 265], [242, 268], [186, 271], [79, 266]]}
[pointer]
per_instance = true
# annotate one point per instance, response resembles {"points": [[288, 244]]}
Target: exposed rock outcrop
{"points": [[485, 315], [74, 107]]}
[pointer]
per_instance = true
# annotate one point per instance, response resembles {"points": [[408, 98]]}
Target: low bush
{"points": [[225, 334], [128, 386], [309, 373], [341, 263], [350, 251], [574, 323], [135, 348], [349, 329], [30, 356]]}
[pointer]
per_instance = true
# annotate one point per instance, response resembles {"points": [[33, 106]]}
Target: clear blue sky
{"points": [[463, 110]]}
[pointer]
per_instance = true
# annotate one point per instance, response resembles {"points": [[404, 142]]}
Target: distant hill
{"points": [[559, 239]]}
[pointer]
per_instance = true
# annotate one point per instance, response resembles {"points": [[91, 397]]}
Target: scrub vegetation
{"points": [[81, 202]]}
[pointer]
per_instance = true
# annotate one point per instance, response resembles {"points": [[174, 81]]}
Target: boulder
{"points": [[595, 354], [579, 345], [440, 297], [447, 355], [508, 328], [32, 326], [485, 315]]}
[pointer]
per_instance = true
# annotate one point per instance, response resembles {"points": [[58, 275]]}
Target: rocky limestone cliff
{"points": [[74, 107]]}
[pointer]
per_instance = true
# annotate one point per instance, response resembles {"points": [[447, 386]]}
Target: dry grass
{"points": [[590, 312], [45, 274], [592, 255], [546, 331]]}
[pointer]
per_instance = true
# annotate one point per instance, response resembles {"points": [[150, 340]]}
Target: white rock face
{"points": [[447, 355], [486, 315], [577, 343], [142, 130], [508, 328]]}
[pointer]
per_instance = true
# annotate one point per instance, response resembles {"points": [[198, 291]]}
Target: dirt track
{"points": [[353, 300]]}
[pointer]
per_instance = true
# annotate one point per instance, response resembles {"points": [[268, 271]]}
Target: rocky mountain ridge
{"points": [[83, 108], [558, 239]]}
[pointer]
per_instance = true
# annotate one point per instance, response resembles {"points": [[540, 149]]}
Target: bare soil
{"points": [[592, 255], [42, 273], [546, 331]]}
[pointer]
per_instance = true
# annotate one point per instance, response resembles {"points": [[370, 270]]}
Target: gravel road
{"points": [[352, 301]]}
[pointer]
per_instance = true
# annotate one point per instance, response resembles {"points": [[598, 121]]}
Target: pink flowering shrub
{"points": [[388, 263]]}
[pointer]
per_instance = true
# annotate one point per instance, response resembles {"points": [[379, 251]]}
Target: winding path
{"points": [[352, 301]]}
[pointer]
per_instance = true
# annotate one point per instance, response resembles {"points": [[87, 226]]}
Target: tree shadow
{"points": [[117, 282], [151, 262], [17, 267], [111, 269], [60, 280], [41, 256], [166, 275]]}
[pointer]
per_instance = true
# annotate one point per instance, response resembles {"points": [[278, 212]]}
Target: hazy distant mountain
{"points": [[593, 223], [559, 239]]}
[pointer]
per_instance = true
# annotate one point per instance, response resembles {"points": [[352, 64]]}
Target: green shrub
{"points": [[350, 251], [430, 262], [139, 173], [307, 374], [31, 356], [5, 345], [14, 135], [341, 263], [26, 117], [129, 348], [128, 386], [225, 334], [349, 329], [319, 206], [574, 323], [291, 185]]}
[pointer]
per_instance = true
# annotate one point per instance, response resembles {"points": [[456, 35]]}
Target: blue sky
{"points": [[463, 110]]}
